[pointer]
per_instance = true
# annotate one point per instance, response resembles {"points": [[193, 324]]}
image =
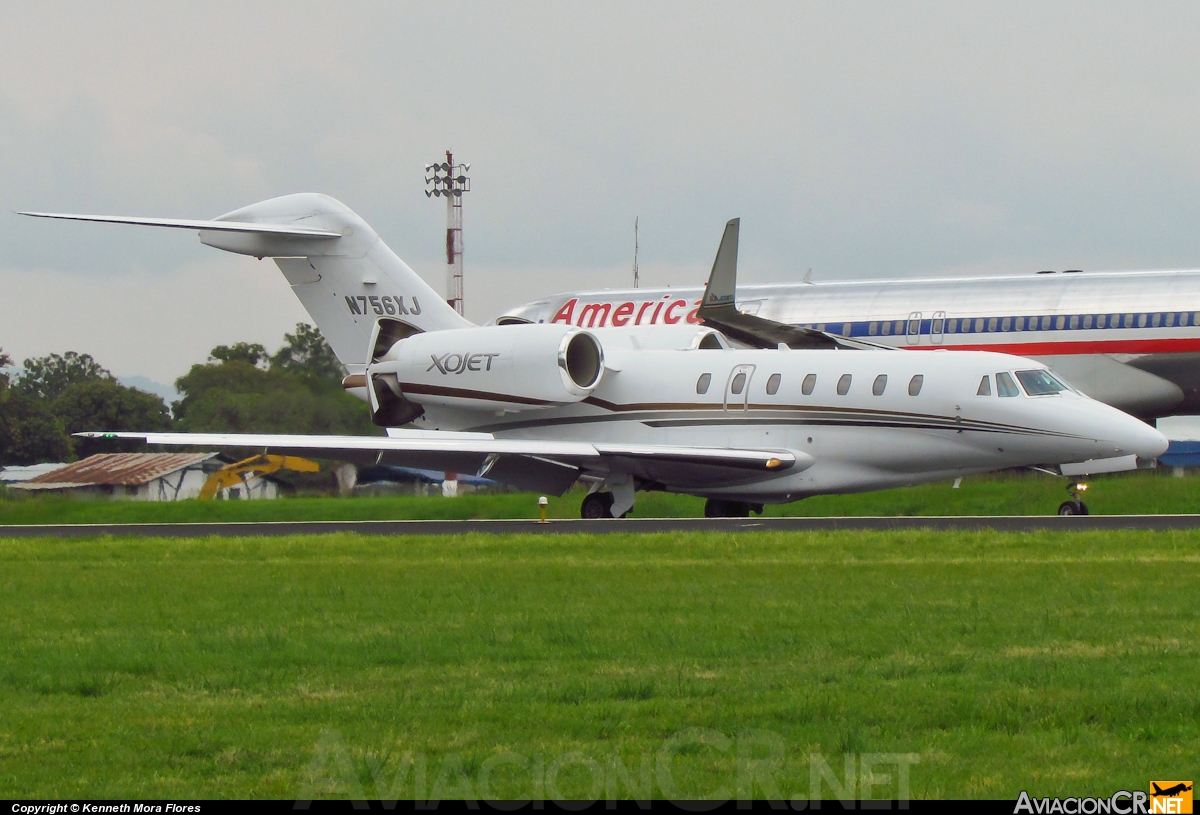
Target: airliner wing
{"points": [[286, 230], [548, 466], [718, 308]]}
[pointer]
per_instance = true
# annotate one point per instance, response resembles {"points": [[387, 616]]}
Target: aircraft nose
{"points": [[1136, 437]]}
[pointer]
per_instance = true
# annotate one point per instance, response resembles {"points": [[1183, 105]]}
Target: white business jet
{"points": [[798, 413]]}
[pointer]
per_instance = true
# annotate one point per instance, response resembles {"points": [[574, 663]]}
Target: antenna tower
{"points": [[449, 180], [635, 252]]}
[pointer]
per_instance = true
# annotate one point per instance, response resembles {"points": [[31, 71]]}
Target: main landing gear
{"points": [[719, 508], [598, 505], [1075, 506]]}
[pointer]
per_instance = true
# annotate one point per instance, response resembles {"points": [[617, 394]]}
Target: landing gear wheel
{"points": [[596, 506], [1072, 508], [717, 508]]}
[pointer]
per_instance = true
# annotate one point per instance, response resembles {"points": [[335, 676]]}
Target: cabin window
{"points": [[952, 328], [843, 386], [1155, 320], [900, 326], [739, 382], [887, 328], [914, 328], [992, 324], [1169, 320], [879, 384], [937, 326], [1128, 321], [1087, 321], [985, 386], [1074, 322], [1141, 321], [846, 329], [978, 325], [810, 382], [872, 329], [1019, 324], [1005, 385], [1060, 322], [1040, 383], [1046, 323], [1101, 320], [703, 382], [1006, 324], [914, 384], [773, 384]]}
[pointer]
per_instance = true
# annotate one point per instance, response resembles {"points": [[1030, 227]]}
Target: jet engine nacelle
{"points": [[508, 367]]}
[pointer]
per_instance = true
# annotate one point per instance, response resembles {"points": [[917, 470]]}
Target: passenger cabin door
{"points": [[937, 328], [737, 387], [913, 335]]}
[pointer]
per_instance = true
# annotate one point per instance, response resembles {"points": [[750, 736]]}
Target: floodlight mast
{"points": [[449, 180]]}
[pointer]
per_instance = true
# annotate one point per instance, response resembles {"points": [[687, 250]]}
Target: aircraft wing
{"points": [[284, 230], [718, 309], [543, 465]]}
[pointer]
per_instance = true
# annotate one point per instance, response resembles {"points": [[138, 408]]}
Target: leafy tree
{"points": [[5, 361], [306, 352], [251, 353], [29, 432], [46, 377], [108, 405], [237, 397]]}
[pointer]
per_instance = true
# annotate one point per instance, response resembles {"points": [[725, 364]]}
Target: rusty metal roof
{"points": [[116, 469]]}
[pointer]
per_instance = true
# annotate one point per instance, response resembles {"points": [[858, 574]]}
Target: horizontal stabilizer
{"points": [[286, 230]]}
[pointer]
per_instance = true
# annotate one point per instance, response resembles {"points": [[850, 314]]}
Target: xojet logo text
{"points": [[457, 363]]}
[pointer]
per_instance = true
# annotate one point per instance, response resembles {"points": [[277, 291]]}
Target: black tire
{"points": [[717, 508], [1082, 508], [1070, 508], [597, 506]]}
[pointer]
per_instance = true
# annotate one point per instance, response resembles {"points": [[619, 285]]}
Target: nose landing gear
{"points": [[1075, 506]]}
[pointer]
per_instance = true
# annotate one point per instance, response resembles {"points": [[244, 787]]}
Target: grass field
{"points": [[504, 666], [1033, 494]]}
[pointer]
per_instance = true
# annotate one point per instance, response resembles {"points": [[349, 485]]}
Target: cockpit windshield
{"points": [[1040, 383]]}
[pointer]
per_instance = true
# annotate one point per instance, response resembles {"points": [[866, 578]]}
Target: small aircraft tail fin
{"points": [[345, 276]]}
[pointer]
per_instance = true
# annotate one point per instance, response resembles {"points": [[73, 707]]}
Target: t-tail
{"points": [[344, 274]]}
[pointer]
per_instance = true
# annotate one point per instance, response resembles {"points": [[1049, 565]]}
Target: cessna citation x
{"points": [[800, 412], [1130, 339]]}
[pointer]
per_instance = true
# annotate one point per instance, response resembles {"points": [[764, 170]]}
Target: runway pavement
{"points": [[1003, 523]]}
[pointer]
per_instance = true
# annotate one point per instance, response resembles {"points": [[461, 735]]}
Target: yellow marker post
{"points": [[542, 504]]}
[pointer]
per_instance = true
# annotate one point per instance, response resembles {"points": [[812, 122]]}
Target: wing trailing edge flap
{"points": [[550, 466]]}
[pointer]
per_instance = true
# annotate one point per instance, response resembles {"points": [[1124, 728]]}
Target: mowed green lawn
{"points": [[1064, 664], [1029, 494]]}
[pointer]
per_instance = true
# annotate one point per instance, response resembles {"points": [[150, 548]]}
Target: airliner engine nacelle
{"points": [[505, 368]]}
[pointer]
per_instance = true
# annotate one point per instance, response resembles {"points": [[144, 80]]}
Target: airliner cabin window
{"points": [[978, 325], [952, 328], [887, 328], [992, 324], [773, 384], [1060, 322], [810, 382], [879, 384], [985, 387], [1074, 322], [914, 384], [1170, 320], [872, 328], [1087, 321], [1006, 324], [1155, 320], [843, 386], [703, 382], [1005, 385], [1101, 320], [1040, 383], [739, 382]]}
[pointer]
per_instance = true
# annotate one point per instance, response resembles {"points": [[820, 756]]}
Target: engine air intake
{"points": [[582, 359]]}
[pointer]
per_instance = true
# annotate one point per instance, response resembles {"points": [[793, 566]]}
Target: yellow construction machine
{"points": [[233, 475]]}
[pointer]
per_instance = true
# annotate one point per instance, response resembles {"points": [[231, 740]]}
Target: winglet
{"points": [[721, 290]]}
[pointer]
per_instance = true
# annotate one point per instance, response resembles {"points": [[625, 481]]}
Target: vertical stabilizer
{"points": [[347, 283]]}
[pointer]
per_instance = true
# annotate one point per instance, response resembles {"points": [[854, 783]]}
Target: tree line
{"points": [[239, 389]]}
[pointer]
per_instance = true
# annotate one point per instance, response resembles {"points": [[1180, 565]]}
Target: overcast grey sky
{"points": [[862, 140]]}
